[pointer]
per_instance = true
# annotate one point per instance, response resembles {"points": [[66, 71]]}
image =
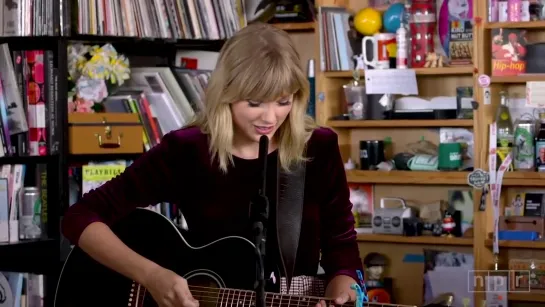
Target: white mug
{"points": [[381, 43]]}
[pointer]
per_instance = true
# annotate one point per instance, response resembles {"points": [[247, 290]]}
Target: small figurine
{"points": [[434, 60], [379, 288], [448, 224], [360, 64], [375, 264]]}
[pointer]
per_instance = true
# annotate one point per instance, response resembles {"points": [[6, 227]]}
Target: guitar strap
{"points": [[289, 211]]}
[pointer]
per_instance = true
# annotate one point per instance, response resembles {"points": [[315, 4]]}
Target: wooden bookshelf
{"points": [[518, 244], [416, 187], [516, 25], [512, 181], [400, 123], [532, 296], [296, 26], [407, 177], [524, 179], [518, 79], [424, 240], [454, 70]]}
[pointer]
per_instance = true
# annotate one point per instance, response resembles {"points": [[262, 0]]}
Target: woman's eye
{"points": [[253, 103], [284, 102]]}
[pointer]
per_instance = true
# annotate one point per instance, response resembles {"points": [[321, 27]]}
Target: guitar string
{"points": [[291, 299], [232, 295], [219, 300], [210, 289], [217, 295]]}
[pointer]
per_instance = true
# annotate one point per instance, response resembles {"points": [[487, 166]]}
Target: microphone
{"points": [[263, 152]]}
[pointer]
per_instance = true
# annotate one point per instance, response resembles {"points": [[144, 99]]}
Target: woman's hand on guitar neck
{"points": [[341, 299], [169, 289], [339, 289]]}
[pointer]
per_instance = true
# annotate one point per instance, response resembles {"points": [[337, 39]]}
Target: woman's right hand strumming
{"points": [[169, 289]]}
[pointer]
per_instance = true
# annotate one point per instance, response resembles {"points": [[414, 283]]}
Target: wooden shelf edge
{"points": [[296, 26], [428, 240], [394, 123], [527, 296], [524, 179], [452, 70], [515, 25], [407, 177], [518, 244], [518, 79]]}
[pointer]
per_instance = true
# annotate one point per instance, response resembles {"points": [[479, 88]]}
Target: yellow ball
{"points": [[368, 21]]}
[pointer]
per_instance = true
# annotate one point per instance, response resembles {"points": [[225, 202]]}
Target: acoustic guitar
{"points": [[215, 276]]}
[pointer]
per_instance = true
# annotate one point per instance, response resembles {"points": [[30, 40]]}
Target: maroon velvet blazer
{"points": [[179, 170]]}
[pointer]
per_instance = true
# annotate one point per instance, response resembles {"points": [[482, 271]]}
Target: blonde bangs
{"points": [[270, 78]]}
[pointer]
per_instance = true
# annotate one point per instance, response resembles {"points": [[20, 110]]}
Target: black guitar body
{"points": [[85, 282]]}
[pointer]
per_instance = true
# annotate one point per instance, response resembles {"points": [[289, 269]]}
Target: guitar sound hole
{"points": [[204, 289]]}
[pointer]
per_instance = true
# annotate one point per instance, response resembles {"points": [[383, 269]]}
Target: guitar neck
{"points": [[246, 298]]}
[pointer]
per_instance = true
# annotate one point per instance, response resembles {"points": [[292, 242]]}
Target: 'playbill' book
{"points": [[95, 175]]}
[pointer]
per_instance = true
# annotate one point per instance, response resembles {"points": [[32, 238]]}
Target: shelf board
{"points": [[102, 157], [518, 79], [400, 123], [454, 70], [123, 44], [515, 25], [383, 238], [407, 177], [32, 256], [26, 159], [518, 244], [532, 296], [296, 26], [524, 179]]}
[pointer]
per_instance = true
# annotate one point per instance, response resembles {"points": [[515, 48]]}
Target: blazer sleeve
{"points": [[147, 181], [340, 253]]}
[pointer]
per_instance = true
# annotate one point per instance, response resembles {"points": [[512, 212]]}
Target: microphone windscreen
{"points": [[263, 147]]}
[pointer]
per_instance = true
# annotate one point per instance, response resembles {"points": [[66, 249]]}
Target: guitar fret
{"points": [[219, 301], [226, 295], [230, 297]]}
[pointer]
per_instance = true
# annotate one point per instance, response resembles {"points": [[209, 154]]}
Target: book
{"points": [[508, 52]]}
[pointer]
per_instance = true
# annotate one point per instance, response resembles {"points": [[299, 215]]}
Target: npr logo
{"points": [[499, 281]]}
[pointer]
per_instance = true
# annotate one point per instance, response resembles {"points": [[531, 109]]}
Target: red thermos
{"points": [[422, 28]]}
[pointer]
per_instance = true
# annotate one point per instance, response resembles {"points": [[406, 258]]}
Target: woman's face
{"points": [[252, 119]]}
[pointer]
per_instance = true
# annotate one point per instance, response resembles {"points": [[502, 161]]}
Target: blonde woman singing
{"points": [[210, 167]]}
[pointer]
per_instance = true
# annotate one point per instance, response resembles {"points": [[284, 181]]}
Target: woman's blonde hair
{"points": [[260, 63]]}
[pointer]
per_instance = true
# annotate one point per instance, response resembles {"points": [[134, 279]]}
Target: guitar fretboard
{"points": [[245, 298]]}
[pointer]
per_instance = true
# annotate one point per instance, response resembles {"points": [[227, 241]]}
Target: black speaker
{"points": [[535, 61]]}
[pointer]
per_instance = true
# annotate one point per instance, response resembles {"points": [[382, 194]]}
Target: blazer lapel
{"points": [[289, 211]]}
